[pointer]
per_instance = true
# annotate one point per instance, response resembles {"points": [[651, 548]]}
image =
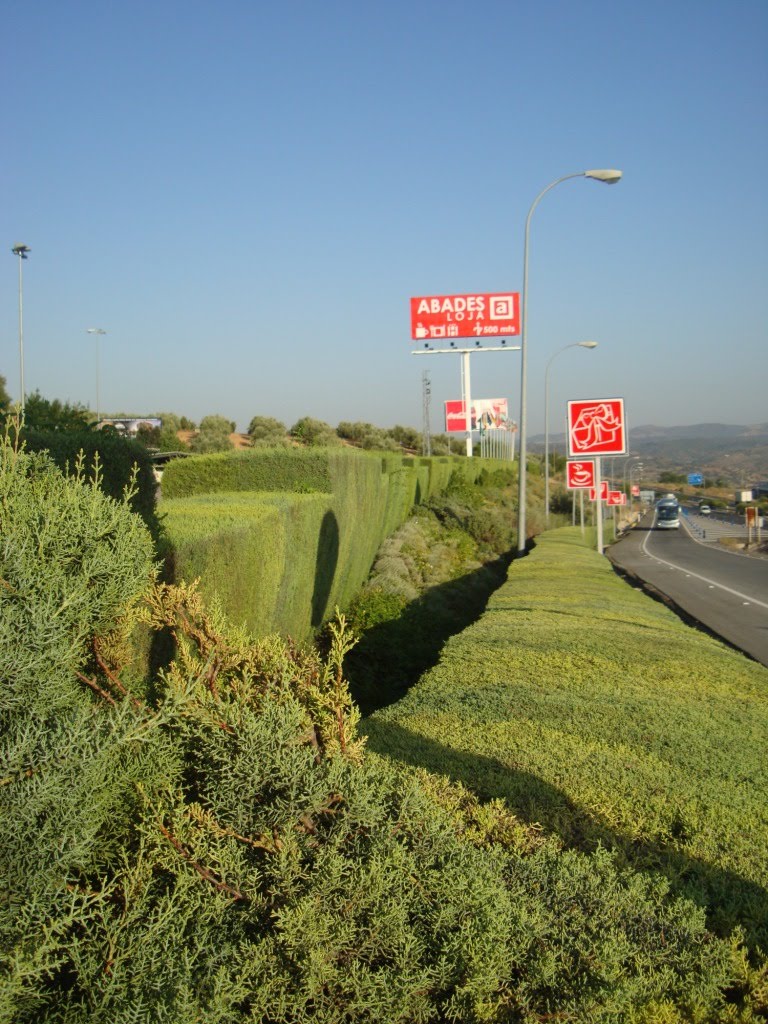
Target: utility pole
{"points": [[22, 252], [426, 391]]}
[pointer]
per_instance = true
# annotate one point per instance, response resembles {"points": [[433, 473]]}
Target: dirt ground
{"points": [[236, 440]]}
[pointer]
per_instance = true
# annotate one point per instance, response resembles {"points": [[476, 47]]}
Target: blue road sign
{"points": [[695, 479]]}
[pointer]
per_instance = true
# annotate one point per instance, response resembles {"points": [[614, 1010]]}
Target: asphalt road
{"points": [[724, 591]]}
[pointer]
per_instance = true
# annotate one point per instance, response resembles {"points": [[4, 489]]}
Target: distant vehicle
{"points": [[667, 513], [705, 510]]}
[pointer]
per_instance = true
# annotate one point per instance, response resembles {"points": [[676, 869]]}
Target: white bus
{"points": [[668, 513]]}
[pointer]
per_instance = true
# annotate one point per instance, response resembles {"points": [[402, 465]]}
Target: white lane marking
{"points": [[710, 583]]}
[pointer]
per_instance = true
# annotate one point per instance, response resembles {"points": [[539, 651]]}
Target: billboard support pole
{"points": [[465, 382], [599, 503], [467, 399]]}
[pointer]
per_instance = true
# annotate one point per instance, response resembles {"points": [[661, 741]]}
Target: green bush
{"points": [[593, 710], [117, 459], [219, 851], [314, 433], [73, 560], [219, 848]]}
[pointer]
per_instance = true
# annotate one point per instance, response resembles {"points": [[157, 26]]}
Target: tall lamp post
{"points": [[21, 251], [609, 177], [638, 466], [631, 459], [575, 344], [98, 332]]}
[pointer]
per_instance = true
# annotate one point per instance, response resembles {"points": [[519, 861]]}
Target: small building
{"points": [[129, 426]]}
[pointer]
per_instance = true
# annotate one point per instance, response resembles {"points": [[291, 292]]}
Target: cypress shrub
{"points": [[218, 847], [118, 458], [219, 850]]}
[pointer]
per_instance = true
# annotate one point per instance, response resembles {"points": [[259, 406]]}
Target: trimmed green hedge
{"points": [[593, 710], [282, 536], [267, 469]]}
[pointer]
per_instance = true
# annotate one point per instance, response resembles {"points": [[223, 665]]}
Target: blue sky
{"points": [[245, 195]]}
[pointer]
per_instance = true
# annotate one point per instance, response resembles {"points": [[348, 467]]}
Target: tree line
{"points": [[214, 433]]}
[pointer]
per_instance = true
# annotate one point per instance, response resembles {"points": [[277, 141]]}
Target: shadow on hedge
{"points": [[728, 899], [392, 656], [325, 568]]}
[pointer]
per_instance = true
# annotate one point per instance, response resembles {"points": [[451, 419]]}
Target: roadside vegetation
{"points": [[431, 578], [593, 713], [554, 823]]}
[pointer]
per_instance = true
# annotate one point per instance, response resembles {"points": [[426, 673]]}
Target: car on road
{"points": [[705, 510]]}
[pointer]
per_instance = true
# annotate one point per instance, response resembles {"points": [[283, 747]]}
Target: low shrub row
{"points": [[594, 711]]}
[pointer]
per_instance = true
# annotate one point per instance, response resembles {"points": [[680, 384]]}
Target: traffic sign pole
{"points": [[599, 505], [467, 396], [465, 353]]}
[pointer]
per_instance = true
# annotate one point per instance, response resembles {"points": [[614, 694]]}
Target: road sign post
{"points": [[579, 476], [596, 427]]}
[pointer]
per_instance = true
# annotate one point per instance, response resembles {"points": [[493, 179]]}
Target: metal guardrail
{"points": [[713, 528]]}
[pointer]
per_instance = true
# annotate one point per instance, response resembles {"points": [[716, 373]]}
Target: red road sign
{"points": [[596, 427], [603, 491], [465, 316], [616, 498], [580, 474]]}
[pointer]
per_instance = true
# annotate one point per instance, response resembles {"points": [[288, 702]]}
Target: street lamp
{"points": [[637, 467], [98, 332], [628, 466], [575, 344], [609, 177], [21, 251]]}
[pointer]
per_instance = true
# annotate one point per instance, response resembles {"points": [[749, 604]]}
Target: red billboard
{"points": [[616, 498], [603, 491], [579, 474], [436, 317], [596, 427]]}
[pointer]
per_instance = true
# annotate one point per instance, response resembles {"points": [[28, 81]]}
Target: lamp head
{"points": [[21, 250], [587, 344], [609, 176]]}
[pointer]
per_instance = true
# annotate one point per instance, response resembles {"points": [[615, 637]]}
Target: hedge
{"points": [[280, 537], [219, 847], [593, 710]]}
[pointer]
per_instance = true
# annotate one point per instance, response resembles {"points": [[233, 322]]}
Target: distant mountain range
{"points": [[699, 431], [736, 454]]}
